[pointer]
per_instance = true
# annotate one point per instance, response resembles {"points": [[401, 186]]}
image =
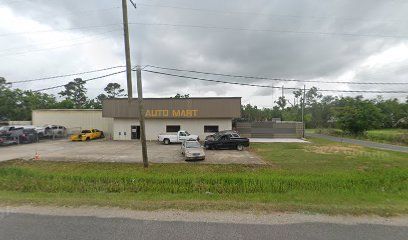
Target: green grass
{"points": [[391, 136], [322, 177]]}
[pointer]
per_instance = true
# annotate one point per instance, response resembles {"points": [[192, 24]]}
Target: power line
{"points": [[87, 80], [208, 27], [65, 75], [53, 42], [277, 79], [266, 86], [60, 29], [230, 12], [63, 46]]}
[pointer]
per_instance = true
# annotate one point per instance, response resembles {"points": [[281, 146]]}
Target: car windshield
{"points": [[187, 134], [86, 131], [192, 145]]}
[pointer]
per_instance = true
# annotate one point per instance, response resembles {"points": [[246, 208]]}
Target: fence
{"points": [[272, 129]]}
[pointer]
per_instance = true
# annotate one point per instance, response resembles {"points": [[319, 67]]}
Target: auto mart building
{"points": [[201, 116]]}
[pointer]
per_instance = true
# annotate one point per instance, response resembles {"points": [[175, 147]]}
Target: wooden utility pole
{"points": [[139, 82], [303, 110], [127, 50], [141, 116]]}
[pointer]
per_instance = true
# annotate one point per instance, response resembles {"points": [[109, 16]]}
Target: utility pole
{"points": [[303, 110], [283, 91], [141, 116], [139, 82], [272, 96], [127, 50]]}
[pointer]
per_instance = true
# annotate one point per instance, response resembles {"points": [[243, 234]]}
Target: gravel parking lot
{"points": [[118, 151]]}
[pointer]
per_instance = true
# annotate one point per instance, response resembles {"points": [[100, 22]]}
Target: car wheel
{"points": [[88, 139], [240, 147], [166, 141]]}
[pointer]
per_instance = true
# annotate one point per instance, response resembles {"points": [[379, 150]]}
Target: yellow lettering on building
{"points": [[164, 113], [176, 113]]}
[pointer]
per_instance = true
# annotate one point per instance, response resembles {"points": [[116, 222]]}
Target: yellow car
{"points": [[87, 135]]}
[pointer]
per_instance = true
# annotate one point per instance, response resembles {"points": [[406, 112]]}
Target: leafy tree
{"points": [[114, 90], [355, 115], [178, 95], [97, 102], [281, 102], [75, 91]]}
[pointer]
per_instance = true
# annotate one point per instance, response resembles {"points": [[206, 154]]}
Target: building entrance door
{"points": [[135, 132]]}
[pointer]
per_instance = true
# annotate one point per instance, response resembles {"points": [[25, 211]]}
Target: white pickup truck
{"points": [[178, 137]]}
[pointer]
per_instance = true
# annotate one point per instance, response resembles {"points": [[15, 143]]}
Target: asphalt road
{"points": [[14, 226], [370, 144]]}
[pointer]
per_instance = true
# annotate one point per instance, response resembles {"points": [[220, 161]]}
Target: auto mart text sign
{"points": [[177, 113]]}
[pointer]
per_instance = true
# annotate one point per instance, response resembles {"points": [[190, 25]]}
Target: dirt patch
{"points": [[348, 150]]}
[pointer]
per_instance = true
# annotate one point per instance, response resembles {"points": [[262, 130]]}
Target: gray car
{"points": [[192, 150]]}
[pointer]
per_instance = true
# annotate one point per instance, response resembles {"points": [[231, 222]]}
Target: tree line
{"points": [[352, 114], [17, 104]]}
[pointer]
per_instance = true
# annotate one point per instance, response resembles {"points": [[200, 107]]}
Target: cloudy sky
{"points": [[337, 40]]}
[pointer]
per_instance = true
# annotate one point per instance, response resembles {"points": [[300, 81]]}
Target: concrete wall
{"points": [[156, 126], [19, 123], [74, 119], [270, 129]]}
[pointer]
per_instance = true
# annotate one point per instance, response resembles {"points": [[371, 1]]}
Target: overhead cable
{"points": [[266, 86], [86, 80], [277, 79], [65, 75]]}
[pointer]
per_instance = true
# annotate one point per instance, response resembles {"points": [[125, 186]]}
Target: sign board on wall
{"points": [[179, 113]]}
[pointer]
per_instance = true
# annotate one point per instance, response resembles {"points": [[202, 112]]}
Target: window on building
{"points": [[210, 129], [172, 128]]}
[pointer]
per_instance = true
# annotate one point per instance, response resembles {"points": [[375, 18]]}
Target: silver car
{"points": [[192, 150]]}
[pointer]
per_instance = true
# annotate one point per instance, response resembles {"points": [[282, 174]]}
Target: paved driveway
{"points": [[118, 151]]}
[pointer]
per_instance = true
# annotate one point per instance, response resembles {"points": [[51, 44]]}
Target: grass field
{"points": [[323, 177], [392, 136]]}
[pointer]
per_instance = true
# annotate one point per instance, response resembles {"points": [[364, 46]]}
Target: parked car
{"points": [[192, 150], [55, 131], [6, 140], [27, 135], [87, 135], [226, 140], [19, 135], [178, 137]]}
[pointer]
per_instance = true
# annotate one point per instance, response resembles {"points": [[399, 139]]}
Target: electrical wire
{"points": [[87, 80], [208, 27], [266, 86], [65, 75], [57, 47], [55, 41], [61, 29], [229, 12], [277, 79]]}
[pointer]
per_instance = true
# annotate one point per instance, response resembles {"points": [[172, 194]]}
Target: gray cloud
{"points": [[291, 54]]}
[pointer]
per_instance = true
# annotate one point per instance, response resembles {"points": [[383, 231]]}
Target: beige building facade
{"points": [[73, 119], [119, 118], [201, 116]]}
